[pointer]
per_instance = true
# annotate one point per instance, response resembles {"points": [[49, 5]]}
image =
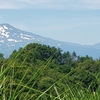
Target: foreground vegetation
{"points": [[40, 72]]}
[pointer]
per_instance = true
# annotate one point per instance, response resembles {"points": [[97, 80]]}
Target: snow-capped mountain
{"points": [[12, 38]]}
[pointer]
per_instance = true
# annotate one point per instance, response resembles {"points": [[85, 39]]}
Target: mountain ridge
{"points": [[12, 38]]}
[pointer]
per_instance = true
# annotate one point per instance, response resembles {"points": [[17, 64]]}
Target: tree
{"points": [[67, 58], [1, 56], [83, 78], [74, 56]]}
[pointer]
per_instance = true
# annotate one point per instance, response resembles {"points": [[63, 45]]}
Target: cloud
{"points": [[64, 4], [11, 4], [91, 4], [50, 4], [36, 1]]}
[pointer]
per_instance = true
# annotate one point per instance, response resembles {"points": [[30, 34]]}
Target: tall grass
{"points": [[10, 89]]}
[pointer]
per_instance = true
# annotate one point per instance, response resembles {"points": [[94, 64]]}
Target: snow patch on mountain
{"points": [[58, 44], [5, 27], [11, 29], [2, 41]]}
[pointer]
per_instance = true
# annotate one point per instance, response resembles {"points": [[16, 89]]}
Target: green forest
{"points": [[41, 72]]}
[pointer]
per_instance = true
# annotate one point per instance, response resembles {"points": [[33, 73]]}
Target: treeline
{"points": [[41, 72]]}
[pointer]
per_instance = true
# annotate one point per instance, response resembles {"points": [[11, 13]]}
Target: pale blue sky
{"points": [[76, 21]]}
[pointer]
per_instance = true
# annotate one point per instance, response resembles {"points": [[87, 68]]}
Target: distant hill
{"points": [[12, 38]]}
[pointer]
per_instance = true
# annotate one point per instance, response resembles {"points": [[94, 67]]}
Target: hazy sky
{"points": [[76, 21]]}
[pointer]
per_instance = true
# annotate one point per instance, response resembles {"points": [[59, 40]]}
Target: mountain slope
{"points": [[12, 38]]}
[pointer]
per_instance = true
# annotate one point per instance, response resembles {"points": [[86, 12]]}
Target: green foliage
{"points": [[1, 56], [83, 79], [40, 72]]}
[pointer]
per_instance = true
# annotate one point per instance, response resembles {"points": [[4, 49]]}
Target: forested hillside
{"points": [[41, 72]]}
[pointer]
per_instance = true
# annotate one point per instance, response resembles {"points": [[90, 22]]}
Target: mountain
{"points": [[12, 38]]}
